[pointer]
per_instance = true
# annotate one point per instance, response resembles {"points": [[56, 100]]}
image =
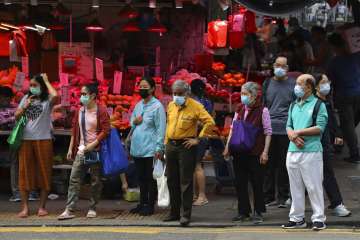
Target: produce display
{"points": [[232, 80], [7, 77], [183, 74]]}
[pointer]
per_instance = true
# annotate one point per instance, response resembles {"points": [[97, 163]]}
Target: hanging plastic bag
{"points": [[217, 34], [237, 31], [113, 155], [158, 169], [163, 190]]}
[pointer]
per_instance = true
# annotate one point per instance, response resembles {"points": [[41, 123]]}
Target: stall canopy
{"points": [[276, 7]]}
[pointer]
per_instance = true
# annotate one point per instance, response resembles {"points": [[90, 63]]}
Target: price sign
{"points": [[99, 69], [65, 96], [64, 79], [117, 82], [19, 80]]}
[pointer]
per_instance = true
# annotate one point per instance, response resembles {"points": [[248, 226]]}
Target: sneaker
{"points": [[294, 225], [241, 218], [91, 214], [257, 218], [282, 204], [15, 198], [341, 211], [317, 226], [288, 202]]}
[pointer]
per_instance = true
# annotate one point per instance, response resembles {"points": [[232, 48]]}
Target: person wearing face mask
{"points": [[148, 121], [332, 136], [305, 126], [91, 125], [36, 151], [248, 162], [278, 94], [181, 139]]}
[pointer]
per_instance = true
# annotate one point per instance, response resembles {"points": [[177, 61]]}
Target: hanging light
{"points": [[4, 28], [6, 25], [128, 12], [152, 3], [178, 4], [95, 26], [7, 2], [132, 26], [95, 4]]}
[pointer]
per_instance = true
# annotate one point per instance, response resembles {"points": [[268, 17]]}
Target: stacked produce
{"points": [[232, 80], [183, 74], [7, 77]]}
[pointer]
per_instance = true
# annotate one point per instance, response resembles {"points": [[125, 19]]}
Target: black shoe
{"points": [[137, 209], [257, 218], [317, 226], [171, 218], [294, 225], [146, 211], [184, 222], [355, 160], [241, 218]]}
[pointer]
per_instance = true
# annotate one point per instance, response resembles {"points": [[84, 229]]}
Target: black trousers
{"points": [[349, 113], [330, 184], [148, 188], [247, 168], [180, 169], [276, 184]]}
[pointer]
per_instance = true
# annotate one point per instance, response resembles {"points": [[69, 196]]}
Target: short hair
{"points": [[318, 77], [150, 81], [337, 40], [253, 88], [182, 85], [6, 92], [197, 85], [92, 88]]}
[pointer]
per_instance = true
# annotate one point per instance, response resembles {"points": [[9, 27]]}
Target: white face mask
{"points": [[179, 100], [325, 89]]}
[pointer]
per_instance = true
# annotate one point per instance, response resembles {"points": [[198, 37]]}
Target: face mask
{"points": [[144, 93], [85, 100], [299, 91], [179, 100], [279, 72], [245, 100], [35, 91], [325, 89]]}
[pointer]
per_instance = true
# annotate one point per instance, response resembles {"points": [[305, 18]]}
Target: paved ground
{"points": [[148, 233]]}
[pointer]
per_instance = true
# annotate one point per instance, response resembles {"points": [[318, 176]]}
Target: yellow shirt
{"points": [[183, 121]]}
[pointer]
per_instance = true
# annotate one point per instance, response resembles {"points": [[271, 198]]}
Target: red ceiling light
{"points": [[157, 27], [128, 12], [95, 26], [132, 26]]}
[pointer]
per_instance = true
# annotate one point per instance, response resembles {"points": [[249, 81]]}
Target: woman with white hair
{"points": [[249, 143]]}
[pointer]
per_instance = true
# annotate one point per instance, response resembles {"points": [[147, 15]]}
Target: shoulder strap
{"points": [[316, 111], [264, 90], [83, 126]]}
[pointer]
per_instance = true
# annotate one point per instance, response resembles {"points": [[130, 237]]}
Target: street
{"points": [[150, 233]]}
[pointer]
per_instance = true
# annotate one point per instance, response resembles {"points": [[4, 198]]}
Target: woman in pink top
{"points": [[251, 121]]}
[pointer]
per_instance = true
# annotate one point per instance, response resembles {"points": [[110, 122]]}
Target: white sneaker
{"points": [[91, 214], [288, 202], [341, 211]]}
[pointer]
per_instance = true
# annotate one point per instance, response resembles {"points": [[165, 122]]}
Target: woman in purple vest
{"points": [[248, 144]]}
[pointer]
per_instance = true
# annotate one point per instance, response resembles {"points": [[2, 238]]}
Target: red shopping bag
{"points": [[217, 34]]}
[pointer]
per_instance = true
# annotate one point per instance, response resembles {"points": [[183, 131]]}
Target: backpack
{"points": [[315, 111]]}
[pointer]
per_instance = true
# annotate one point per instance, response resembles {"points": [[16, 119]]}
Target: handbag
{"points": [[15, 138], [243, 136], [163, 190], [113, 155], [91, 157]]}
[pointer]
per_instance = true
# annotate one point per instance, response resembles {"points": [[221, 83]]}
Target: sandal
{"points": [[66, 215], [200, 202]]}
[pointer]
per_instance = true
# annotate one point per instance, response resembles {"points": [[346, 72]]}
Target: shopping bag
{"points": [[163, 190], [15, 138], [158, 169], [113, 155]]}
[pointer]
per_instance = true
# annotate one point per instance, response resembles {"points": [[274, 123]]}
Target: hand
{"points": [[90, 147], [69, 155], [45, 77], [339, 141], [191, 142], [28, 102], [299, 142], [159, 155], [264, 158], [226, 152], [138, 120], [292, 135]]}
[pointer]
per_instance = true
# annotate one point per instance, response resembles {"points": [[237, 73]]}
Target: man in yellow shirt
{"points": [[181, 139]]}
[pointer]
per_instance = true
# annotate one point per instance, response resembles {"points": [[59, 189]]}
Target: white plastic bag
{"points": [[158, 169], [163, 191]]}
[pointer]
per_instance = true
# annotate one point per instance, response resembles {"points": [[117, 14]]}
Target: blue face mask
{"points": [[84, 99], [179, 100], [325, 89], [35, 91], [245, 100], [279, 72], [299, 91]]}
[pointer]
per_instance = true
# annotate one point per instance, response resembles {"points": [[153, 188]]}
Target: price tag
{"points": [[65, 96], [64, 79], [99, 69], [19, 80], [25, 65], [117, 82]]}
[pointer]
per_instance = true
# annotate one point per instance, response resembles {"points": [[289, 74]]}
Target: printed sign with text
{"points": [[19, 80], [117, 82], [99, 66]]}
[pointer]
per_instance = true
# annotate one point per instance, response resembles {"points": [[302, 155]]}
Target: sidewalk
{"points": [[218, 213]]}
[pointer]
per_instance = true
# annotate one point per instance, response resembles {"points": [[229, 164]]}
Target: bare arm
{"points": [[52, 91], [313, 131]]}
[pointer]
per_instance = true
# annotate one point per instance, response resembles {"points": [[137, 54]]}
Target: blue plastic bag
{"points": [[113, 155]]}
